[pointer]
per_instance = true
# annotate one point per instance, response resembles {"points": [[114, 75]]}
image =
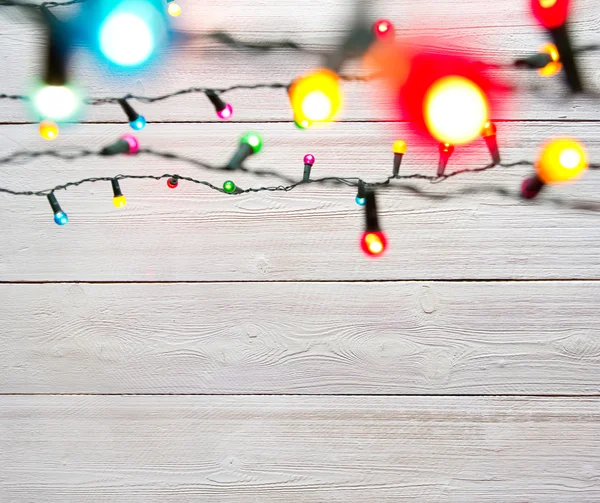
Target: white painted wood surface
{"points": [[310, 449], [225, 320], [310, 338]]}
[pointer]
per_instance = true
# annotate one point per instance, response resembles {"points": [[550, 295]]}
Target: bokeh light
{"points": [[316, 98], [126, 39], [561, 160], [57, 103], [455, 110], [555, 65]]}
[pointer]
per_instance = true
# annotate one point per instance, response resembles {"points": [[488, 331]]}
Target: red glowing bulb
{"points": [[550, 13], [172, 182], [373, 243], [383, 28]]}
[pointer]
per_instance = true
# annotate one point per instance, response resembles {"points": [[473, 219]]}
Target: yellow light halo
{"points": [[48, 130], [555, 65], [173, 9], [316, 97], [561, 160], [455, 110]]}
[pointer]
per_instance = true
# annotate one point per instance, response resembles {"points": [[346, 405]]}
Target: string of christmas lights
{"points": [[561, 158]]}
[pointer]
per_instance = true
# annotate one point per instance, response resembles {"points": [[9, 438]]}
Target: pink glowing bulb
{"points": [[309, 159], [132, 141], [226, 113]]}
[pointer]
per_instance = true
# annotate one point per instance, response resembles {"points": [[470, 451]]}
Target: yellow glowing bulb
{"points": [[119, 201], [555, 65], [174, 9], [399, 147], [455, 110], [561, 160], [316, 98], [546, 4], [48, 130]]}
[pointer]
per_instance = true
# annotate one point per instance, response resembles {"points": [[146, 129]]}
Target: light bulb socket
{"points": [[531, 187], [562, 41], [173, 182], [492, 145], [58, 50], [132, 115], [446, 150], [242, 153], [371, 217], [215, 99], [397, 163], [534, 62], [54, 203], [119, 147], [116, 187], [362, 190], [309, 160]]}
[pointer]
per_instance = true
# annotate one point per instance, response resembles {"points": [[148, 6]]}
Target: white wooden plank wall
{"points": [[199, 347]]}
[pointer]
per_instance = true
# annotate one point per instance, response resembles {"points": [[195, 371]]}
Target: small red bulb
{"points": [[550, 13], [373, 243], [383, 28], [172, 182]]}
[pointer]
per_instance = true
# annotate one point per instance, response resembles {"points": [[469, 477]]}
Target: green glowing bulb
{"points": [[254, 140], [229, 187]]}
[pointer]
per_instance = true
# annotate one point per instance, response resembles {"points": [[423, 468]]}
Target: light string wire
{"points": [[354, 182]]}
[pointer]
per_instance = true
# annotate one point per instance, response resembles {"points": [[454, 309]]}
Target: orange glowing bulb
{"points": [[455, 110], [555, 65], [316, 98], [48, 130], [561, 160]]}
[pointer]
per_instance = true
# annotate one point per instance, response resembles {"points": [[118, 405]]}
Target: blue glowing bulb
{"points": [[139, 123], [126, 39], [61, 218], [361, 201]]}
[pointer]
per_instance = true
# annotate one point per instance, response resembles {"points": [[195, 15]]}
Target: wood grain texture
{"points": [[280, 449], [310, 338], [192, 233], [496, 32]]}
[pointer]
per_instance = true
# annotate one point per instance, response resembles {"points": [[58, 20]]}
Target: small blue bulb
{"points": [[61, 218], [139, 123], [361, 201]]}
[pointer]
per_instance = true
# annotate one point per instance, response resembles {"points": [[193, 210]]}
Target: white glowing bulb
{"points": [[455, 110], [316, 106], [569, 158], [126, 39], [55, 102]]}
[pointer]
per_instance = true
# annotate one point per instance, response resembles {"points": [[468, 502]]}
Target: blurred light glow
{"points": [[550, 13], [48, 130], [373, 243], [126, 39], [561, 160], [55, 102], [173, 9], [315, 98], [455, 110], [555, 65], [316, 106]]}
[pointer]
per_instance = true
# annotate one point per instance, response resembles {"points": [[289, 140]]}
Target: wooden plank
{"points": [[312, 338], [466, 25], [280, 449], [192, 233]]}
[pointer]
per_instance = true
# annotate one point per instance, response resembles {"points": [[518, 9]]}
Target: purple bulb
{"points": [[226, 113], [309, 159], [133, 143]]}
